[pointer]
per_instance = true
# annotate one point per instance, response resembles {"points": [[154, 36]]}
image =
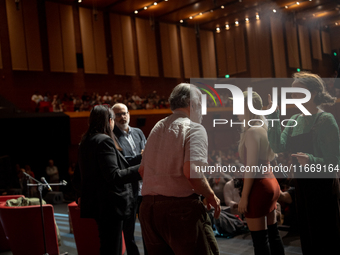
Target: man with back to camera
{"points": [[132, 142], [173, 219]]}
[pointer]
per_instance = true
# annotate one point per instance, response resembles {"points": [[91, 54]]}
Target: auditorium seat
{"points": [[45, 106], [23, 228], [86, 232], [4, 244], [68, 106]]}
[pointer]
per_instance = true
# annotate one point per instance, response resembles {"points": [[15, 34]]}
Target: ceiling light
{"points": [[257, 16], [155, 3], [227, 27], [190, 17], [135, 10], [236, 23], [222, 6], [145, 7], [297, 3], [286, 7], [181, 21], [274, 10]]}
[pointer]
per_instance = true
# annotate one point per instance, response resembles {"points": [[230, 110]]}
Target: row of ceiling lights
{"points": [[222, 7]]}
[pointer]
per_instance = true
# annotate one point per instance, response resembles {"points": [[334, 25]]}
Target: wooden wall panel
{"points": [[189, 53], [170, 50], [260, 54], [326, 42], [174, 48], [208, 54], [335, 37], [240, 50], [99, 43], [316, 44], [85, 17], [142, 47], [292, 45], [16, 36], [278, 44], [54, 37], [117, 44], [0, 58], [32, 35], [122, 45], [68, 38], [93, 41], [129, 52], [231, 54], [166, 53], [221, 54], [306, 59], [146, 41]]}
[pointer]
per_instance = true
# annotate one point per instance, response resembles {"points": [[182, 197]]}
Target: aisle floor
{"points": [[239, 245]]}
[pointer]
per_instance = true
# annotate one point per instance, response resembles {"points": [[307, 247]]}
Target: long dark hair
{"points": [[99, 121]]}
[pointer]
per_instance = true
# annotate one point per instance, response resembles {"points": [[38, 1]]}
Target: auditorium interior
{"points": [[59, 58]]}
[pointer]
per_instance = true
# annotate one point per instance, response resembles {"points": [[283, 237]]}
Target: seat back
{"points": [[23, 229], [4, 244], [86, 232]]}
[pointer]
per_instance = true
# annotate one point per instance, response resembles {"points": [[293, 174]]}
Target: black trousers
{"points": [[110, 235], [129, 231]]}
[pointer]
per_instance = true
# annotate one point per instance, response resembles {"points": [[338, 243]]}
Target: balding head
{"points": [[122, 116]]}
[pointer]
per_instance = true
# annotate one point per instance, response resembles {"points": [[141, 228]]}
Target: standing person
{"points": [[173, 219], [260, 191], [106, 192], [313, 141], [132, 142]]}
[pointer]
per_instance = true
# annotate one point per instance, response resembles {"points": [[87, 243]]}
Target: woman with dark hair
{"points": [[314, 143], [106, 192]]}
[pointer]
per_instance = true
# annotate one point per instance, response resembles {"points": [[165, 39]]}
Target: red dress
{"points": [[263, 194]]}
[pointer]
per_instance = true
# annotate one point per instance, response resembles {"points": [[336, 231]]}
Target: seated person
{"points": [[287, 201], [232, 192], [217, 182]]}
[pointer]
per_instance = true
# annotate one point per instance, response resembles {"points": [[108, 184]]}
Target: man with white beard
{"points": [[132, 142]]}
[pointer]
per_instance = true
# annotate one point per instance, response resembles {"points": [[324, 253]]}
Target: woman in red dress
{"points": [[261, 189]]}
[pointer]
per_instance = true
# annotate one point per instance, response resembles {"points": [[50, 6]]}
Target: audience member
{"points": [[56, 104], [32, 190], [36, 98], [232, 192], [52, 172]]}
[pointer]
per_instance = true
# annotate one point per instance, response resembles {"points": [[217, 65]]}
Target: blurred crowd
{"points": [[70, 102]]}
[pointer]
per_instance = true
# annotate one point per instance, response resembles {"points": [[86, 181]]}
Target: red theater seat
{"points": [[23, 229], [4, 244], [86, 232]]}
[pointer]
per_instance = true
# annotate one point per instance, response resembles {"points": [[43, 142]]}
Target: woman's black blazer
{"points": [[105, 179]]}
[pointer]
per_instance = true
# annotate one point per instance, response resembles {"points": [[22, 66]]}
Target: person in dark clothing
{"points": [[106, 192], [313, 142]]}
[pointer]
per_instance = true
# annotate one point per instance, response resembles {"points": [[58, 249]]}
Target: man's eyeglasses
{"points": [[120, 114]]}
